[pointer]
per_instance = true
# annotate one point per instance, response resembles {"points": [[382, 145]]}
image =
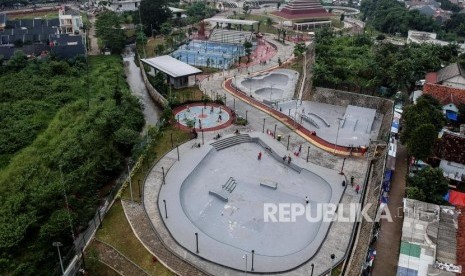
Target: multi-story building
{"points": [[70, 21]]}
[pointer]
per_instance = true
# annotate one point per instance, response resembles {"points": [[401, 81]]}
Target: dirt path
{"points": [[94, 50], [388, 244]]}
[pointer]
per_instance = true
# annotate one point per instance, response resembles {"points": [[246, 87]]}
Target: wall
{"points": [[309, 59], [154, 94]]}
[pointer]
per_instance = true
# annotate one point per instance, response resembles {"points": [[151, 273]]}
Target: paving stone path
{"points": [[142, 227]]}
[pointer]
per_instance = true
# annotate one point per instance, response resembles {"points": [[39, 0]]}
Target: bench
{"points": [[269, 184]]}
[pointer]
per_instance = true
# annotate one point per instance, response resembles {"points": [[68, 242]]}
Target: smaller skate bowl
{"points": [[269, 87]]}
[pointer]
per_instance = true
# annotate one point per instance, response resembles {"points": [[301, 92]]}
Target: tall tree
{"points": [[422, 141], [108, 29], [153, 14], [248, 49], [432, 183], [422, 113]]}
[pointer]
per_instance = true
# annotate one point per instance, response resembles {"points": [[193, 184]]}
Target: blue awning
{"points": [[451, 115]]}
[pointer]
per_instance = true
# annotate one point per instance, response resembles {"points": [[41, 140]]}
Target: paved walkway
{"points": [[388, 243]]}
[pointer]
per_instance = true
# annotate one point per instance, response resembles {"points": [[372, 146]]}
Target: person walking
{"points": [[343, 183], [306, 199], [352, 180], [357, 188], [260, 155]]}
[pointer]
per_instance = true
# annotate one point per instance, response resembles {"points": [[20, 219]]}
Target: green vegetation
{"points": [[393, 17], [266, 23], [117, 232], [53, 124], [199, 11], [358, 64], [108, 30], [428, 185], [153, 14], [422, 122]]}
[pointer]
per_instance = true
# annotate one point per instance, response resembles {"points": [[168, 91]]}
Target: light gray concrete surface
{"points": [[228, 230], [338, 237], [358, 125], [273, 86]]}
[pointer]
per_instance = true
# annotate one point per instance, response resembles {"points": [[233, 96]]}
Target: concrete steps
{"points": [[231, 141]]}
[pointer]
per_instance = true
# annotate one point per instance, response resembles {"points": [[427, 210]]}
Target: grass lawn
{"points": [[35, 14], [162, 146], [188, 94], [117, 232], [152, 44]]}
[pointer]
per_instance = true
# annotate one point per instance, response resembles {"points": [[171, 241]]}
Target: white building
{"points": [[70, 21], [123, 5]]}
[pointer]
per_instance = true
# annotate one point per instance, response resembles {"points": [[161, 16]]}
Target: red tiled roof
{"points": [[445, 94], [431, 77], [450, 147]]}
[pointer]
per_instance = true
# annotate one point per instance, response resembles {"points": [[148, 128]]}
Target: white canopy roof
{"points": [[171, 66], [231, 21]]}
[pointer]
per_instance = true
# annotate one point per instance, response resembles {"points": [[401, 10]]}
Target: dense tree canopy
{"points": [[153, 14], [45, 103], [357, 64], [429, 185], [108, 29], [393, 17], [427, 111], [199, 11]]}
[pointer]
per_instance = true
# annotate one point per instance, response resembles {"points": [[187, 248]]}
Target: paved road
{"points": [[388, 244], [151, 111]]}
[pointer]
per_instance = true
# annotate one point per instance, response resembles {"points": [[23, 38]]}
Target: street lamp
{"points": [[130, 182], [337, 134], [58, 244], [332, 263], [244, 257]]}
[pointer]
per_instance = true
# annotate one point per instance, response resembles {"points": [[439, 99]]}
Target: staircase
{"points": [[230, 36], [231, 141]]}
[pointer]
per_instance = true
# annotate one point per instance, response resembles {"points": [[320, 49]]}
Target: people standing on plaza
{"points": [[284, 158], [352, 180], [357, 188], [260, 155]]}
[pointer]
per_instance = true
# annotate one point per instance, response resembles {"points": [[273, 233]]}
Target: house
{"points": [[178, 74], [123, 5], [429, 240], [70, 21], [448, 87], [450, 149], [35, 37]]}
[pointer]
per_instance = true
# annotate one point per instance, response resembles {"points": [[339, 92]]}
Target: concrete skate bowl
{"points": [[220, 193], [269, 87]]}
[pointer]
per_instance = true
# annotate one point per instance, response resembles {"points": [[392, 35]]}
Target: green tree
{"points": [[108, 29], [422, 113], [199, 11], [166, 28], [248, 49], [153, 14], [415, 193], [299, 49], [432, 184], [422, 141]]}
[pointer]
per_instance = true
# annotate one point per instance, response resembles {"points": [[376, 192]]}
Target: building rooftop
{"points": [[444, 94], [231, 21], [302, 10], [429, 239], [450, 147], [171, 66]]}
